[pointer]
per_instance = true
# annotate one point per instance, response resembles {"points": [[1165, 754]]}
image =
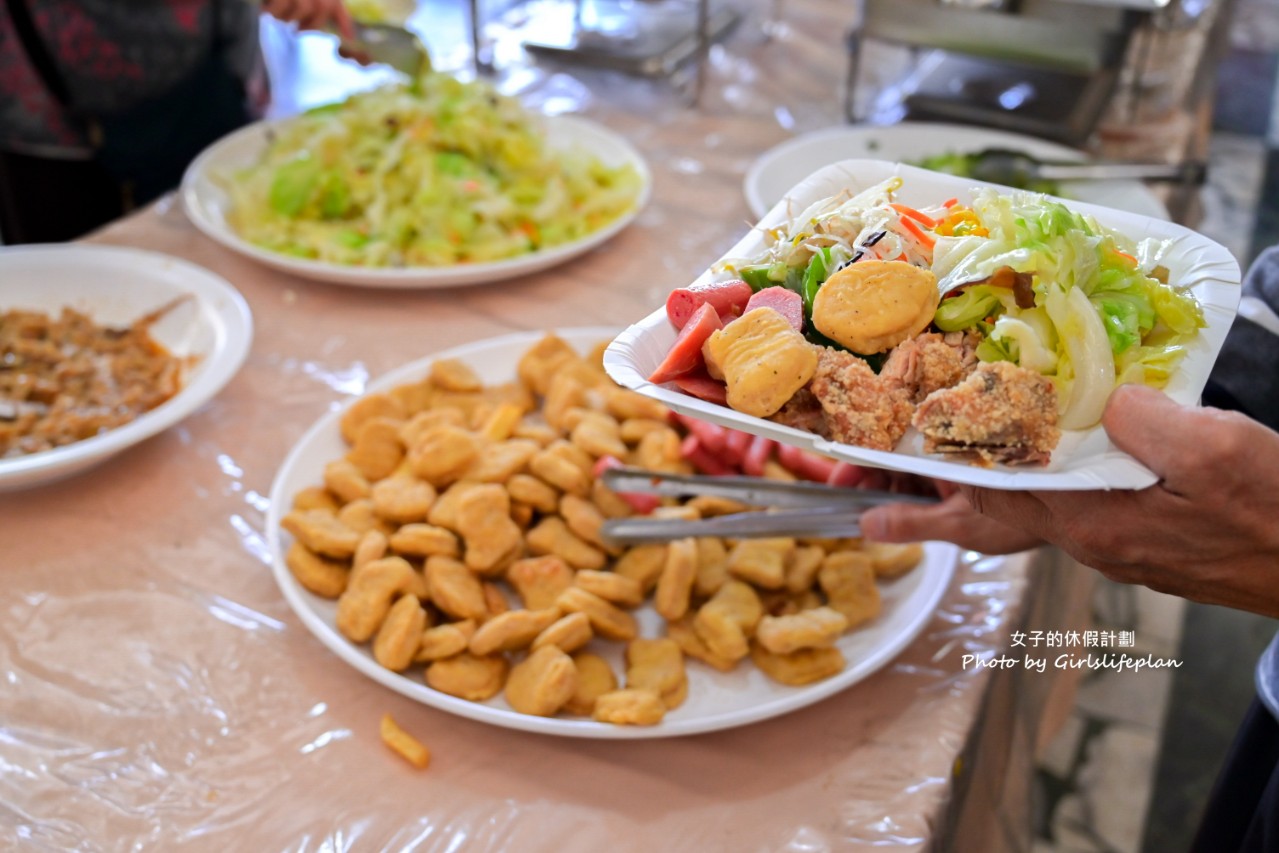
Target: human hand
{"points": [[1208, 531], [313, 14], [952, 520]]}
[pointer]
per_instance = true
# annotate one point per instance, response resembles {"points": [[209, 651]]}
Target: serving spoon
{"points": [[1016, 168]]}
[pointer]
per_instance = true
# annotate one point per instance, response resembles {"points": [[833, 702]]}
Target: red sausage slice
{"points": [[686, 352], [728, 298], [785, 302]]}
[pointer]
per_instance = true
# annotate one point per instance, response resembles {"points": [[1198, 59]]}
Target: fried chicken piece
{"points": [[803, 411], [923, 365], [861, 408], [1001, 413]]}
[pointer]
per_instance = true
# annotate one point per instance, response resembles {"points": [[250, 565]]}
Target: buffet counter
{"points": [[160, 693]]}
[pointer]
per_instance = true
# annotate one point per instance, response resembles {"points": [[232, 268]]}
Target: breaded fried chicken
{"points": [[861, 408], [924, 364], [1000, 413], [803, 411]]}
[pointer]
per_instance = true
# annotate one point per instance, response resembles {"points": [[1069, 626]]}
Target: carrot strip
{"points": [[918, 232], [949, 203], [924, 218]]}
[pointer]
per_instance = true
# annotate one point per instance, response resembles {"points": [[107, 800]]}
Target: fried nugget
{"points": [[872, 306], [808, 629]]}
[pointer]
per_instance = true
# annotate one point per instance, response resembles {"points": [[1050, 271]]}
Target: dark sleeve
{"points": [[1246, 375]]}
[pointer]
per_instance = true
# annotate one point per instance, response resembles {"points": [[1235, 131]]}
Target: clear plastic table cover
{"points": [[159, 694]]}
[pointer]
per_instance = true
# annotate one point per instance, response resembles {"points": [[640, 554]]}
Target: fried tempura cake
{"points": [[872, 306], [861, 408], [1001, 413]]}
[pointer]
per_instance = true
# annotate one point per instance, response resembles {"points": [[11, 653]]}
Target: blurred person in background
{"points": [[1208, 531], [103, 103]]}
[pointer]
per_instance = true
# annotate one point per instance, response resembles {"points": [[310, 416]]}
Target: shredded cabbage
{"points": [[433, 173]]}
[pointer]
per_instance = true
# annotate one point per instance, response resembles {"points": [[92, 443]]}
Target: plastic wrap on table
{"points": [[159, 694]]}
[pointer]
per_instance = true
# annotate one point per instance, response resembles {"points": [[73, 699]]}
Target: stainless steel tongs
{"points": [[802, 509]]}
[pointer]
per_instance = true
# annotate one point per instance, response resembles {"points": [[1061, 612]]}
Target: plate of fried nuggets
{"points": [[440, 535]]}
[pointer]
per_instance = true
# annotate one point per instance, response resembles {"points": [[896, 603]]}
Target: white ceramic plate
{"points": [[116, 286], [208, 205], [1084, 459], [779, 169], [715, 700]]}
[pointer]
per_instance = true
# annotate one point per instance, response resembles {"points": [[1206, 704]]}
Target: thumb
{"points": [[1152, 428]]}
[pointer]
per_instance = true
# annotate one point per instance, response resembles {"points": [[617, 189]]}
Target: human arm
{"points": [[313, 14]]}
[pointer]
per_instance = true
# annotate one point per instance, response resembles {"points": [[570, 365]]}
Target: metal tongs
{"points": [[801, 509], [1018, 169]]}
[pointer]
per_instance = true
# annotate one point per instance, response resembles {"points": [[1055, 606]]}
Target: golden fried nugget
{"points": [[539, 580], [594, 678], [712, 566], [515, 629], [501, 423], [625, 405], [892, 560], [530, 490], [675, 585], [412, 430], [552, 536], [539, 364], [360, 517], [726, 622], [315, 497], [535, 431], [874, 305], [660, 451], [402, 499], [657, 665], [498, 463], [443, 454], [610, 586], [425, 540], [365, 408], [762, 359], [484, 522], [564, 394], [542, 682], [629, 708], [413, 397], [798, 668], [322, 533], [692, 645], [522, 514], [373, 546], [346, 481], [377, 450], [320, 575], [468, 677], [369, 593], [444, 512], [848, 579], [608, 502], [801, 567], [444, 641], [709, 506], [606, 620], [558, 465], [454, 375], [569, 633], [761, 561], [633, 430], [495, 599], [455, 589], [809, 629], [598, 434], [404, 744], [644, 563], [584, 519], [400, 634]]}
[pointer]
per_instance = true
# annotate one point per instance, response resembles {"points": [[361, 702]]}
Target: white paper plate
{"points": [[779, 169], [715, 700], [116, 286], [208, 205], [1084, 459]]}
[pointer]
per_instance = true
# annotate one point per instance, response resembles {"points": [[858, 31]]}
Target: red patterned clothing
{"points": [[112, 55]]}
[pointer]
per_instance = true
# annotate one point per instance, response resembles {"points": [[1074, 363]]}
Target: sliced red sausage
{"points": [[703, 460], [642, 502], [686, 353], [785, 302], [700, 385], [728, 298]]}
